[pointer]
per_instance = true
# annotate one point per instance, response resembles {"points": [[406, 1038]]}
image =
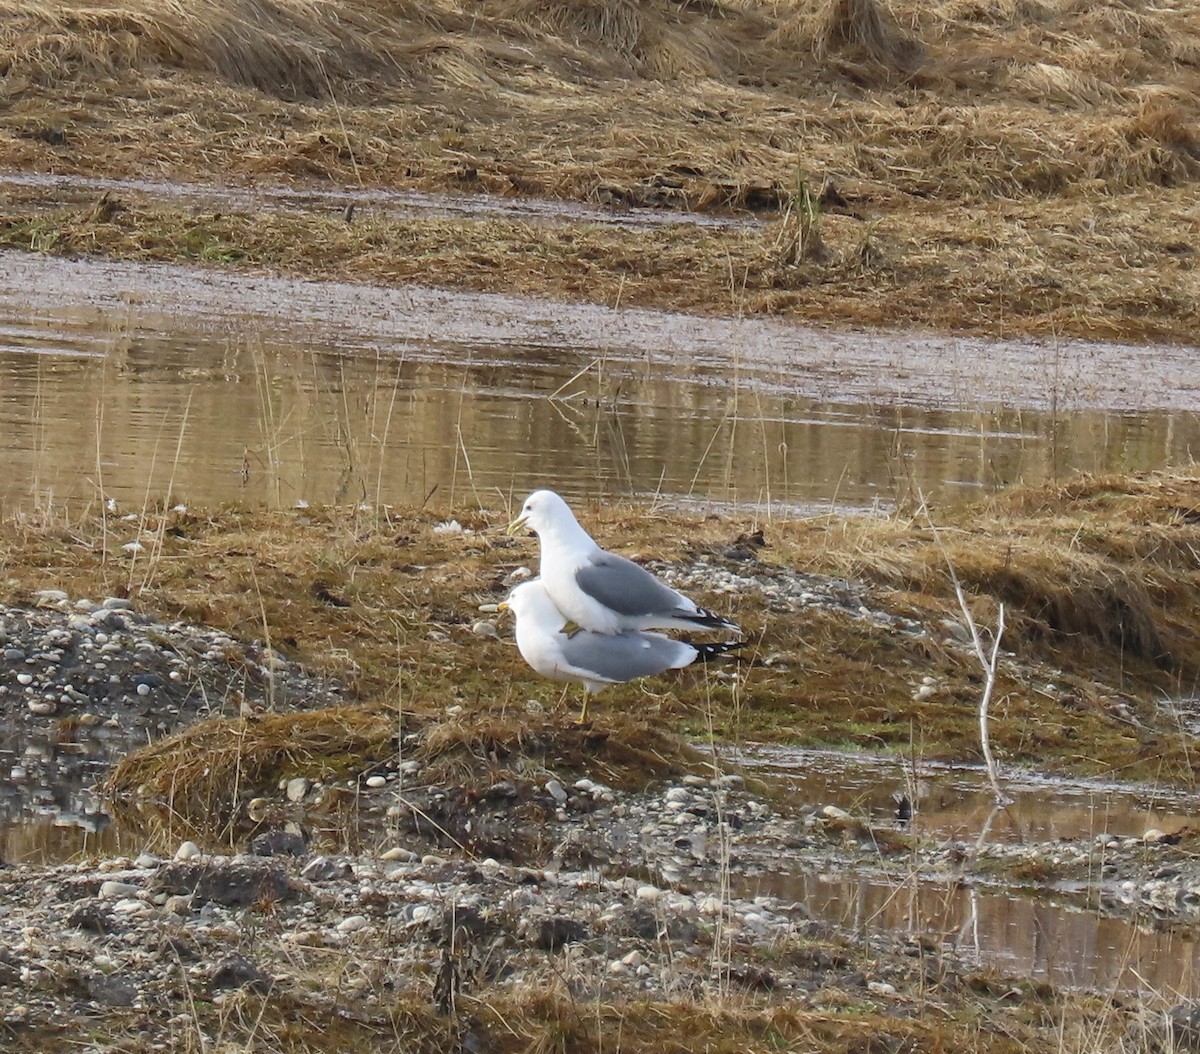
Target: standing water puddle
{"points": [[130, 381], [1067, 940]]}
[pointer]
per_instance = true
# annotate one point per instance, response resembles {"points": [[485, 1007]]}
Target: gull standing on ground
{"points": [[600, 591], [595, 660]]}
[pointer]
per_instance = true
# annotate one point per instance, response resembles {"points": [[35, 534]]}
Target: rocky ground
{"points": [[602, 895]]}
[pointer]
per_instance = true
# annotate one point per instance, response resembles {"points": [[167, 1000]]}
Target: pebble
{"points": [[112, 890], [297, 788], [648, 894], [375, 782], [353, 924], [187, 851], [556, 791], [399, 853]]}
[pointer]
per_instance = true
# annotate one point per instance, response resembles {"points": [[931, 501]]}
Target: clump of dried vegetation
{"points": [[985, 164]]}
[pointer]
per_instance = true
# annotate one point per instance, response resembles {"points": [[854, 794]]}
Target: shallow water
{"points": [[1044, 936], [147, 382]]}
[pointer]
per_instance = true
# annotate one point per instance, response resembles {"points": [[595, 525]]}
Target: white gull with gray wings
{"points": [[600, 591], [595, 660]]}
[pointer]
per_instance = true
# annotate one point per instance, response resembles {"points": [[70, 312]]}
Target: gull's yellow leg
{"points": [[570, 629]]}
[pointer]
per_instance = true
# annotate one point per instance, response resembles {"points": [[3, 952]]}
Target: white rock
{"points": [[297, 788], [648, 894], [634, 959], [187, 851], [375, 782], [423, 913], [353, 924], [116, 890]]}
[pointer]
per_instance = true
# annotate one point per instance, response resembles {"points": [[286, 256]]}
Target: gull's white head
{"points": [[530, 602], [543, 511]]}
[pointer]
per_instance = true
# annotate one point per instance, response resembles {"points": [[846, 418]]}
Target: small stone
{"points": [[187, 851], [678, 794], [422, 913], [24, 678], [42, 707], [143, 689], [375, 782], [1154, 835], [556, 791], [617, 968], [406, 856], [180, 904], [146, 861], [648, 894], [117, 890], [832, 812], [484, 628], [925, 691], [634, 959], [116, 604], [322, 869], [297, 788]]}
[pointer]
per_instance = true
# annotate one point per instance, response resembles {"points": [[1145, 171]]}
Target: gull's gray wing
{"points": [[624, 656], [624, 587]]}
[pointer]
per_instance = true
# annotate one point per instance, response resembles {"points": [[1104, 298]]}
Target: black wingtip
{"points": [[712, 651], [709, 620]]}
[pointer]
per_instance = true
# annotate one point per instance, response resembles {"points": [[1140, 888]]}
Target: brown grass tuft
{"points": [[854, 31]]}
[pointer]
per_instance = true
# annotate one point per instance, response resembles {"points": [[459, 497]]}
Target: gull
{"points": [[595, 660], [598, 590]]}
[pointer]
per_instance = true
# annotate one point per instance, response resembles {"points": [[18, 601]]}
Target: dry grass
{"points": [[1101, 577], [202, 777], [1003, 166]]}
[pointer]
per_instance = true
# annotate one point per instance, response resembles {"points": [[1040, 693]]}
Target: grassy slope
{"points": [[993, 166]]}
